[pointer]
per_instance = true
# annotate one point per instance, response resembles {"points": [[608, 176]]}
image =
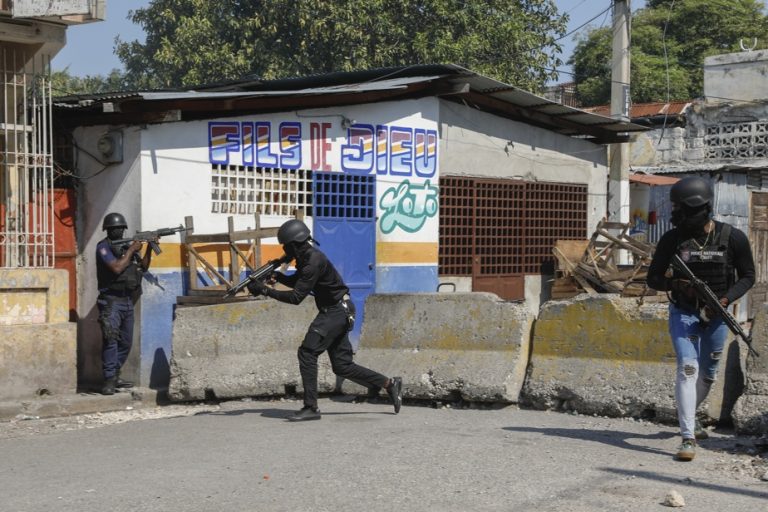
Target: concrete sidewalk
{"points": [[52, 406]]}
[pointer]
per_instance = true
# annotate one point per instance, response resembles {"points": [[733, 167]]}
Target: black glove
{"points": [[257, 288]]}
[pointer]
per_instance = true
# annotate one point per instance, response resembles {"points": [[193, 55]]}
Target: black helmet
{"points": [[293, 231], [114, 220], [692, 191]]}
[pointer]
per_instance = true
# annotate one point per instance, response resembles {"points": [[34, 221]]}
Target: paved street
{"points": [[243, 456]]}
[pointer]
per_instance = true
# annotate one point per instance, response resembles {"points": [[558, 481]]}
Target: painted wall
{"points": [[475, 143], [104, 188], [167, 174]]}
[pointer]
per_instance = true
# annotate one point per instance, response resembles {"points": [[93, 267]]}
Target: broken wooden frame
{"points": [[240, 258], [598, 269]]}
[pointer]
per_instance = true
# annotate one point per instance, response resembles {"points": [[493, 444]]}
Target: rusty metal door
{"points": [[498, 231], [759, 235], [64, 243]]}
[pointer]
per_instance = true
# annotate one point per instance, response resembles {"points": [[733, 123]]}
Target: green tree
{"points": [[190, 42], [64, 84], [686, 31]]}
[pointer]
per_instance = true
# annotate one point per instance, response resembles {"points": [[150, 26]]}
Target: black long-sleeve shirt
{"points": [[739, 257], [314, 274]]}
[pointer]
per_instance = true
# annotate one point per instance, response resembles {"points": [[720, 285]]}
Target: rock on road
{"points": [[243, 455]]}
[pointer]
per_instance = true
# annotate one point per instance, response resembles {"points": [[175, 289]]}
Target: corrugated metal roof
{"points": [[651, 179], [705, 167], [646, 109], [484, 91]]}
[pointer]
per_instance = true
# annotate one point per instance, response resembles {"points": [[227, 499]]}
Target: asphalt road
{"points": [[244, 456]]}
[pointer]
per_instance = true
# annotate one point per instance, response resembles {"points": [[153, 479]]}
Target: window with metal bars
{"points": [[347, 196], [509, 226], [242, 189]]}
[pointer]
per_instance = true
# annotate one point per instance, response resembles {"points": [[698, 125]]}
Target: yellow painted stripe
{"points": [[406, 252], [174, 255]]}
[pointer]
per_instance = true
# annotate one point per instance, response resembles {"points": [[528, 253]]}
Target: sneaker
{"points": [[109, 386], [700, 432], [306, 413], [395, 392], [687, 450]]}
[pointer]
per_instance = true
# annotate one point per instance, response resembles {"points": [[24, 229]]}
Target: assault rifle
{"points": [[259, 274], [149, 237], [705, 293]]}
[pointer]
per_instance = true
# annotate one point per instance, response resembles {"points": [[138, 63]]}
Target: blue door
{"points": [[344, 223]]}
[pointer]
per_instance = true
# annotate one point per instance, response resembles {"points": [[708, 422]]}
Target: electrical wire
{"points": [[666, 66]]}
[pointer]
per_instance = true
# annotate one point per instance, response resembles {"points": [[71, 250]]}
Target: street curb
{"points": [[51, 406]]}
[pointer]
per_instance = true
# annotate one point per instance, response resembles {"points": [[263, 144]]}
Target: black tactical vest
{"points": [[128, 281], [709, 262]]}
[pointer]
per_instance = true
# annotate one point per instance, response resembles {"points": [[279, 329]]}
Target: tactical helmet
{"points": [[293, 231], [114, 220], [692, 191]]}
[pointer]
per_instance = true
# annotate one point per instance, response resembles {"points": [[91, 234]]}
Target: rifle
{"points": [[259, 274], [710, 299], [150, 237]]}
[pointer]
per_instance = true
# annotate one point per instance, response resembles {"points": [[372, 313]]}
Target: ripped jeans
{"points": [[699, 348]]}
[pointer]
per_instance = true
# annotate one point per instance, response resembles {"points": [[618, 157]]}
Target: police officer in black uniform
{"points": [[119, 272], [316, 274], [719, 254]]}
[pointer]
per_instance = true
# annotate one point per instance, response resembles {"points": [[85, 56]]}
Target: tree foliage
{"points": [[64, 84], [669, 41], [191, 42]]}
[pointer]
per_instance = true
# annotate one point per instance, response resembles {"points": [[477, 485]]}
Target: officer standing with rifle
{"points": [[119, 273], [719, 257], [329, 330]]}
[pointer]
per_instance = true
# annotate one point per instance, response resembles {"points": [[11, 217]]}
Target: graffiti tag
{"points": [[408, 206]]}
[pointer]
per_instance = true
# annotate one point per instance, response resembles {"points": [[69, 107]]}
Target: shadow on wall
{"points": [[733, 387], [160, 374], [89, 374]]}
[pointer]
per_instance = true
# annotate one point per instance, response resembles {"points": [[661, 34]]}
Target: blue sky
{"points": [[90, 48]]}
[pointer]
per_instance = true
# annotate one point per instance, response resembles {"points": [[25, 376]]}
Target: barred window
{"points": [[241, 189], [506, 227]]}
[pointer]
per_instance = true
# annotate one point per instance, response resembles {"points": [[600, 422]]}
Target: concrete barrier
{"points": [[606, 355], [750, 414], [38, 344], [447, 345], [240, 349]]}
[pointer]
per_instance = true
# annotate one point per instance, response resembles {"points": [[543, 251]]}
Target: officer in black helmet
{"points": [[315, 274], [720, 255], [119, 272]]}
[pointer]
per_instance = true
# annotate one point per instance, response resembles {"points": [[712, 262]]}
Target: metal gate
{"points": [[26, 164], [499, 231], [344, 222]]}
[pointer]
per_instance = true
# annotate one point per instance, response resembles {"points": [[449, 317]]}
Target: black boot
{"points": [[120, 383], [109, 386], [395, 392], [305, 414]]}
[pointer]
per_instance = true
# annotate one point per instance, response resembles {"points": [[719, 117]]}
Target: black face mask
{"points": [[690, 220], [115, 233]]}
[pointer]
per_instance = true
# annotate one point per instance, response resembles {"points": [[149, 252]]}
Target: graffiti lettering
{"points": [[408, 206], [385, 150]]}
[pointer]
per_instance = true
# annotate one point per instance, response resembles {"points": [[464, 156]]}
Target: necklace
{"points": [[706, 240]]}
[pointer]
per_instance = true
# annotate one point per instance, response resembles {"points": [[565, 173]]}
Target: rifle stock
{"points": [[710, 299], [257, 275]]}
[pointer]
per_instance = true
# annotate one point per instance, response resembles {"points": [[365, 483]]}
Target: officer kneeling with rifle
{"points": [[712, 267], [316, 274]]}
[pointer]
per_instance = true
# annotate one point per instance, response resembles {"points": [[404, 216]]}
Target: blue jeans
{"points": [[699, 348], [116, 319]]}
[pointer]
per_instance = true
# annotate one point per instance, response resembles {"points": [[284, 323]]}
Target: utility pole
{"points": [[618, 184]]}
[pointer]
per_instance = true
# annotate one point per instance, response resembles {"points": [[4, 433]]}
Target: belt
{"points": [[325, 309], [118, 295]]}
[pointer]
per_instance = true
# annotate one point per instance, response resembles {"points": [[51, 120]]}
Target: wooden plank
{"points": [[236, 236], [572, 268]]}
